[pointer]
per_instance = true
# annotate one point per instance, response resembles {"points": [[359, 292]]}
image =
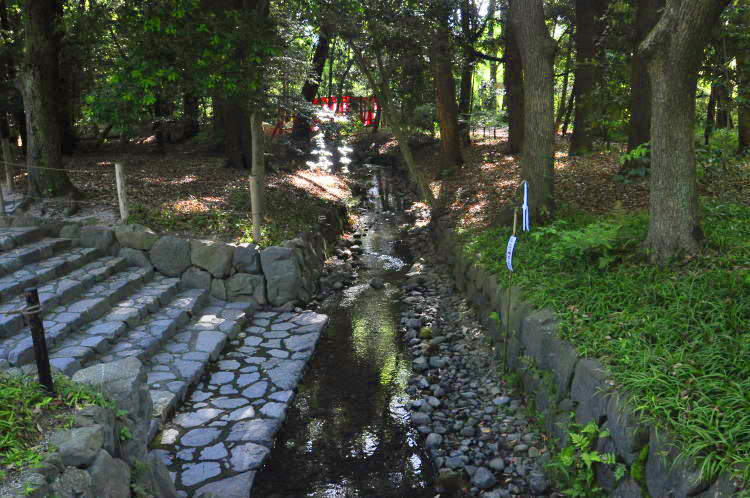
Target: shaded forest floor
{"points": [[188, 191], [489, 179]]}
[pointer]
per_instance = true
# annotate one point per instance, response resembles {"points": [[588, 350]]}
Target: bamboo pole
{"points": [[122, 194]]}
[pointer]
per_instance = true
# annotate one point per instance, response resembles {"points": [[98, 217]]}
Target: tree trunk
{"points": [[257, 177], [15, 101], [464, 101], [722, 105], [646, 15], [491, 103], [564, 93], [568, 113], [445, 100], [674, 49], [710, 114], [743, 84], [237, 141], [384, 96], [342, 83], [331, 63], [38, 85], [190, 116], [588, 71], [514, 97], [301, 127], [467, 73], [537, 54]]}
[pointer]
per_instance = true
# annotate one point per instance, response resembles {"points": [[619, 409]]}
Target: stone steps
{"points": [[69, 316], [14, 237], [17, 258], [144, 340], [98, 337], [59, 291], [98, 310], [36, 274], [178, 366]]}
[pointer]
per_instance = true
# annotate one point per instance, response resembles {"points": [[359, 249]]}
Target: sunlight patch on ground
{"points": [[320, 184], [190, 206]]}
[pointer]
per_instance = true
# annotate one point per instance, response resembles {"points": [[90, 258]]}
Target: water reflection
{"points": [[347, 434]]}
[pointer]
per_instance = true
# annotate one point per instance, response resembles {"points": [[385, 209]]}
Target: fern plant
{"points": [[575, 463]]}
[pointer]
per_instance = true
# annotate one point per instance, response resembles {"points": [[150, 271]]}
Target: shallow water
{"points": [[347, 434]]}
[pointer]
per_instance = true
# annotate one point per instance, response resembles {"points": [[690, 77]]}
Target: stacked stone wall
{"points": [[560, 382], [277, 277]]}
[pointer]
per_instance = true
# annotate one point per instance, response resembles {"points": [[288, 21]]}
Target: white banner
{"points": [[509, 252]]}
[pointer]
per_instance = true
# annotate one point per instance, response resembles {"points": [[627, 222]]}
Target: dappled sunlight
{"points": [[320, 184], [190, 206]]}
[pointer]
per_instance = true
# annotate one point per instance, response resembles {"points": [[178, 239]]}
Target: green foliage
{"points": [[675, 338], [594, 241], [27, 412], [124, 434], [719, 157], [574, 464], [638, 163]]}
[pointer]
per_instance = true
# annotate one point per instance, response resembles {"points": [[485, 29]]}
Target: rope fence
{"points": [[120, 187]]}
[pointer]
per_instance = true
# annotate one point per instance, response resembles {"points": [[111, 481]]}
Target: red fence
{"points": [[365, 107]]}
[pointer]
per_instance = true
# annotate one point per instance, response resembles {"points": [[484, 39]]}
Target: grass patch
{"points": [[28, 414], [677, 339]]}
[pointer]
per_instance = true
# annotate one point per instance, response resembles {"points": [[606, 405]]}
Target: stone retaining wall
{"points": [[560, 382], [277, 276], [106, 451]]}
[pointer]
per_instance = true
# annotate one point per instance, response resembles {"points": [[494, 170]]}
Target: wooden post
{"points": [[257, 177], [8, 166], [41, 356], [122, 194], [2, 202]]}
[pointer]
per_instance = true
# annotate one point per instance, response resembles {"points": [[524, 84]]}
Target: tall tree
{"points": [[674, 49], [471, 31], [742, 54], [445, 92], [38, 84], [537, 49], [514, 90], [301, 126], [639, 132], [491, 102], [234, 105], [589, 27], [561, 110]]}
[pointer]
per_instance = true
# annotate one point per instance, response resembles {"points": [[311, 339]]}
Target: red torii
{"points": [[366, 106]]}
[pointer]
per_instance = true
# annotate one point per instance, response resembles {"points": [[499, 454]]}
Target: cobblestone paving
{"points": [[224, 432]]}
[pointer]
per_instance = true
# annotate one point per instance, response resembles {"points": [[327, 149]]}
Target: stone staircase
{"points": [[96, 308]]}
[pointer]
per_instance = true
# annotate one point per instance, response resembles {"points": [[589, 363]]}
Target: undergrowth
{"points": [[676, 338], [28, 413]]}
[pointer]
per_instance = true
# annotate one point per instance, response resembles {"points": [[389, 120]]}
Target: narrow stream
{"points": [[347, 434]]}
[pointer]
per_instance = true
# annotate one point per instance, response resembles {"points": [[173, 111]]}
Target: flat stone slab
{"points": [[226, 429]]}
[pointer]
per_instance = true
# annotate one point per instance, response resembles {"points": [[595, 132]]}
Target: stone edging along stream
{"points": [[560, 381]]}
